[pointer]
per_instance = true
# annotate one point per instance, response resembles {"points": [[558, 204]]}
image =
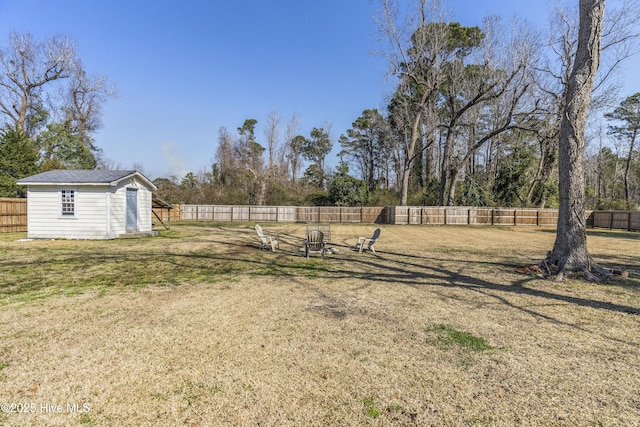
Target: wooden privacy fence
{"points": [[228, 213], [13, 215], [456, 215], [370, 215], [624, 220], [361, 215]]}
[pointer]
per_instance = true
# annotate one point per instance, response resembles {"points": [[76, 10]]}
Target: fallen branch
{"points": [[532, 270]]}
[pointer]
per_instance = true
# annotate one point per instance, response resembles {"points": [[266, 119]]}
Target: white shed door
{"points": [[132, 209]]}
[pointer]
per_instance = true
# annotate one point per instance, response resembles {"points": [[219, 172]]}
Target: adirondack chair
{"points": [[368, 241], [314, 243], [267, 240]]}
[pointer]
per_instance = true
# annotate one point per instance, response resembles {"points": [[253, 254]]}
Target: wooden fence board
{"points": [[548, 217], [624, 220], [634, 221], [13, 215], [414, 214], [526, 217], [481, 216], [433, 216], [504, 216], [457, 215], [329, 214], [452, 215], [620, 220], [164, 216], [307, 214], [229, 213]]}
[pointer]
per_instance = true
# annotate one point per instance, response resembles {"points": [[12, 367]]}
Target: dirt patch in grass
{"points": [[198, 327]]}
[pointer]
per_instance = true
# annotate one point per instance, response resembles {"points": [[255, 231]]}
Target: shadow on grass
{"points": [[413, 270], [422, 271], [616, 234], [457, 279], [35, 274], [602, 232], [38, 273]]}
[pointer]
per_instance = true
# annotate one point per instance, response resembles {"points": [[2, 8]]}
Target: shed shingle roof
{"points": [[64, 176]]}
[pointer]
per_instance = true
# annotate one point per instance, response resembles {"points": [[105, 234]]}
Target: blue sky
{"points": [[185, 68]]}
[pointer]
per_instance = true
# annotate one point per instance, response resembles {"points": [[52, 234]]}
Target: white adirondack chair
{"points": [[267, 240], [368, 241]]}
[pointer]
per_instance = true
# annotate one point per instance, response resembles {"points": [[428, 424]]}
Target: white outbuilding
{"points": [[88, 204]]}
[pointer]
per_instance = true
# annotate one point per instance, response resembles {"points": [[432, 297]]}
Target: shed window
{"points": [[68, 202]]}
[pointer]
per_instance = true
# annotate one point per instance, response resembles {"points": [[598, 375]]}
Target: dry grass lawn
{"points": [[199, 328]]}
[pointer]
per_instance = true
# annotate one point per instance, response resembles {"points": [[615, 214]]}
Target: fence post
{"points": [[629, 221], [611, 221]]}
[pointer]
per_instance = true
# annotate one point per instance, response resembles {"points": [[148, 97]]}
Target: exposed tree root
{"points": [[594, 273]]}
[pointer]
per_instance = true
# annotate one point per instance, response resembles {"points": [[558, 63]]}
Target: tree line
{"points": [[473, 119]]}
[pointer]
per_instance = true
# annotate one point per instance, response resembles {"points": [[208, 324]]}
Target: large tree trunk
{"points": [[536, 194], [404, 184], [445, 169], [453, 181], [410, 153], [570, 249], [627, 168]]}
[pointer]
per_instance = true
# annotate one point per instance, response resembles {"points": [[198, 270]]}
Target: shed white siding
{"points": [[100, 211], [46, 221], [145, 209]]}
